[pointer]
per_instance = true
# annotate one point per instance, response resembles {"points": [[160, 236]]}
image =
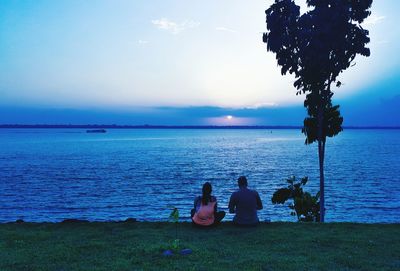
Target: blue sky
{"points": [[173, 62]]}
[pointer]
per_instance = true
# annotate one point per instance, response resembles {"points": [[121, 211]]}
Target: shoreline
{"points": [[184, 222]]}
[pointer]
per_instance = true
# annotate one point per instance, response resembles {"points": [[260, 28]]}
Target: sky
{"points": [[174, 63]]}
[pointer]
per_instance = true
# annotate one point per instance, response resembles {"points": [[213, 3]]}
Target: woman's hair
{"points": [[206, 197]]}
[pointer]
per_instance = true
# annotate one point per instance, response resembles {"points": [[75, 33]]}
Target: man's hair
{"points": [[242, 181]]}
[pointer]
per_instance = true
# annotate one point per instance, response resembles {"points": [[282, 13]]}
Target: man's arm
{"points": [[232, 204], [259, 203]]}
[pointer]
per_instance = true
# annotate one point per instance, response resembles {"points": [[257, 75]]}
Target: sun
{"points": [[229, 117]]}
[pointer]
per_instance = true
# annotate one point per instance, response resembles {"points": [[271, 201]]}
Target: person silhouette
{"points": [[205, 211], [244, 203]]}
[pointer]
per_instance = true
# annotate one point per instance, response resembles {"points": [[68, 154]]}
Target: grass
{"points": [[139, 246]]}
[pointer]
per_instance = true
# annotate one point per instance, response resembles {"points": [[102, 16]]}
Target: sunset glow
{"points": [[173, 63], [78, 59]]}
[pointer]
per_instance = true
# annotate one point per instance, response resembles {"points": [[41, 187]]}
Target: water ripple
{"points": [[58, 174]]}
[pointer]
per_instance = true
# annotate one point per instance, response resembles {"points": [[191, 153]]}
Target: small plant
{"points": [[175, 245], [303, 204], [174, 217]]}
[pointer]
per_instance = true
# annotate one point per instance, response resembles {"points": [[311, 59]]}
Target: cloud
{"points": [[262, 105], [142, 42], [373, 20], [383, 42], [174, 27], [222, 28]]}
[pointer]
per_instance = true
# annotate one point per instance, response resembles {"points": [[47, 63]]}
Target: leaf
{"points": [[281, 196], [175, 244], [174, 215]]}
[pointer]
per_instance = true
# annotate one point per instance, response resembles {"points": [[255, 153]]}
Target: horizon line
{"points": [[148, 126]]}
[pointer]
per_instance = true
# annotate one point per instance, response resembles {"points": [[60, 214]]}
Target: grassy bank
{"points": [[139, 246]]}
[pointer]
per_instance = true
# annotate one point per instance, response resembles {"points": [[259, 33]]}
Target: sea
{"points": [[48, 175]]}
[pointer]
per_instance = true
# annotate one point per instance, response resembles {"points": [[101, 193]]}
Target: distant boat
{"points": [[96, 131]]}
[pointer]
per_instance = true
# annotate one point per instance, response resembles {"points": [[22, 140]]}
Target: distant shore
{"points": [[140, 246], [114, 126]]}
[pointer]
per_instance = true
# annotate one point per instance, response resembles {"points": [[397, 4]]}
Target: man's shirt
{"points": [[245, 203]]}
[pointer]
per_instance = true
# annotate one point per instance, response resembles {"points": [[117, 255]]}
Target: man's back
{"points": [[245, 203]]}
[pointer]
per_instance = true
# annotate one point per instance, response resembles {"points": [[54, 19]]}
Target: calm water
{"points": [[54, 174]]}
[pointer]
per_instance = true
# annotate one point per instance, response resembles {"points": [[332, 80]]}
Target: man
{"points": [[245, 203]]}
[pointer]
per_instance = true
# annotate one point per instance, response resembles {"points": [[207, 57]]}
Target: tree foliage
{"points": [[316, 47], [331, 126]]}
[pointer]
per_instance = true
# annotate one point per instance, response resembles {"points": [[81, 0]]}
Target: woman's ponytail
{"points": [[206, 197]]}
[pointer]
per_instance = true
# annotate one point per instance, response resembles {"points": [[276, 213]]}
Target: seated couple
{"points": [[244, 203]]}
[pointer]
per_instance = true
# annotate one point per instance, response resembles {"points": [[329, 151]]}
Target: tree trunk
{"points": [[321, 156]]}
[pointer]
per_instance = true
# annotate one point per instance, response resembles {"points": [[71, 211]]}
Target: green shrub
{"points": [[303, 204]]}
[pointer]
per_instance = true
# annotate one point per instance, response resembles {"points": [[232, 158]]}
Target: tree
{"points": [[316, 47]]}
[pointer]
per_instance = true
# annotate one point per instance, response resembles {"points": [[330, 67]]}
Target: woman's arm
{"points": [[196, 200]]}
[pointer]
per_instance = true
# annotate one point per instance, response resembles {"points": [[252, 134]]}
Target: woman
{"points": [[205, 208]]}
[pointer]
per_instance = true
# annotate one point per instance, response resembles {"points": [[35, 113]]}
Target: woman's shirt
{"points": [[197, 202], [204, 212]]}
